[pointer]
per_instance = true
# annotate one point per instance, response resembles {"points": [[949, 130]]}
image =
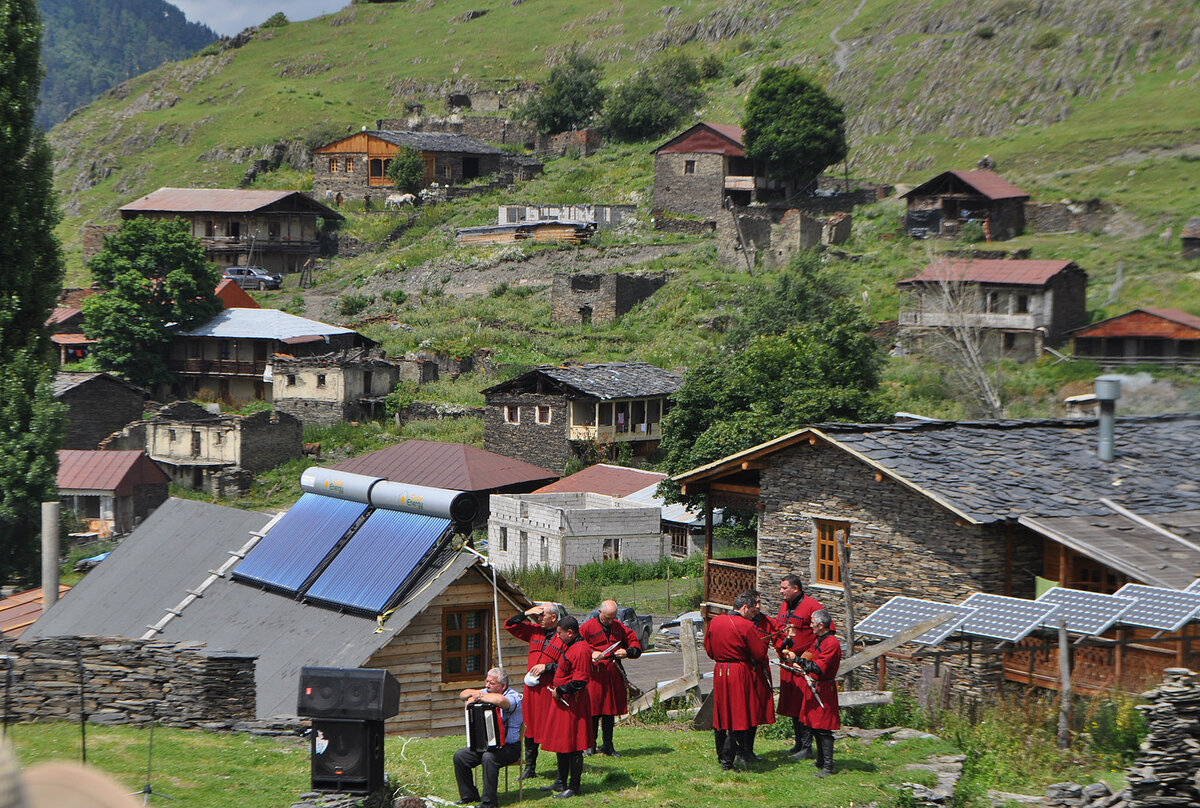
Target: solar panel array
{"points": [[1194, 586], [1005, 618], [900, 613], [1085, 612], [1158, 607]]}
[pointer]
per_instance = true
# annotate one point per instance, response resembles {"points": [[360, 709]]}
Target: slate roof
{"points": [[454, 466], [263, 324], [67, 380], [1007, 271], [221, 200], [986, 183], [605, 381], [116, 471], [435, 141], [603, 478]]}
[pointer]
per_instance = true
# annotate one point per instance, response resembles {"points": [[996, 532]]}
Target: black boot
{"points": [[724, 748], [742, 743], [824, 752], [796, 728], [804, 742], [574, 775], [606, 732], [564, 771], [748, 752], [531, 753]]}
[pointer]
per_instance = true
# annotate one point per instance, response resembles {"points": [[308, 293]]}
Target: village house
{"points": [[1141, 336], [230, 358], [342, 386], [942, 205], [356, 166], [210, 451], [939, 510], [1016, 306], [110, 492], [551, 414], [66, 333], [604, 217], [437, 630], [278, 230], [695, 171], [1189, 239], [581, 298], [97, 405]]}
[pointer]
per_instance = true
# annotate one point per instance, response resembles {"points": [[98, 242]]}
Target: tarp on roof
{"points": [[1006, 271], [453, 466]]}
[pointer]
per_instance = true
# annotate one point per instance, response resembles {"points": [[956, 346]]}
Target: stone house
{"points": [[942, 205], [97, 405], [110, 492], [356, 166], [279, 230], [1189, 239], [231, 357], [342, 386], [1016, 306], [568, 529], [439, 633], [551, 414], [583, 298], [1141, 336], [938, 510], [213, 452], [695, 171], [772, 236]]}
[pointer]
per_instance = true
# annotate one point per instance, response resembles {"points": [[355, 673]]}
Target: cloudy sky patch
{"points": [[228, 17]]}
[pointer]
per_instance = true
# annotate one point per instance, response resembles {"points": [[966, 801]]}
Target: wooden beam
{"points": [[753, 465], [881, 648], [676, 687], [862, 698], [734, 488]]}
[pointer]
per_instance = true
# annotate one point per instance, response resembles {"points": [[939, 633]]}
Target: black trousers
{"points": [[570, 769], [491, 763], [602, 731]]}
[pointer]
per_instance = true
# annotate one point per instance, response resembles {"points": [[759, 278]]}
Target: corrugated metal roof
{"points": [[116, 471], [263, 324], [674, 512], [221, 200], [454, 466], [986, 183], [603, 478], [708, 138], [1144, 323], [61, 314], [1014, 272], [435, 141], [19, 611], [608, 380]]}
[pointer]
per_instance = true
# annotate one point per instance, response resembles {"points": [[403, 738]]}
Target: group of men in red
{"points": [[809, 656], [574, 688]]}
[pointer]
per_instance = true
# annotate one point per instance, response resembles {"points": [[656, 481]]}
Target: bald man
{"points": [[607, 684]]}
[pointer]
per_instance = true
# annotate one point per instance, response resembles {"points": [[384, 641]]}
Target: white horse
{"points": [[328, 194], [398, 200]]}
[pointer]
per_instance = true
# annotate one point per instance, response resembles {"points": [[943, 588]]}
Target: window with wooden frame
{"points": [[689, 166], [333, 165], [512, 414], [829, 569], [543, 414], [349, 165], [464, 644]]}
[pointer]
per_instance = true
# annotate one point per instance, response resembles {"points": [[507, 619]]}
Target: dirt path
{"points": [[841, 53]]}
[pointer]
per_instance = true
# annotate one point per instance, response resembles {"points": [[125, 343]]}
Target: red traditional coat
{"points": [[569, 728], [607, 685], [791, 685], [827, 654], [544, 649], [741, 692]]}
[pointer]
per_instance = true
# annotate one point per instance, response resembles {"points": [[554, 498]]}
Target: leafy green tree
{"points": [[407, 170], [654, 100], [570, 97], [152, 274], [773, 304], [793, 126], [31, 421]]}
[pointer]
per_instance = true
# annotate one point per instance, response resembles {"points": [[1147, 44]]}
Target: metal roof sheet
{"points": [[603, 478], [453, 466], [71, 339], [19, 611], [62, 314], [221, 200], [985, 183], [262, 324], [116, 471], [1007, 271], [234, 296], [720, 138]]}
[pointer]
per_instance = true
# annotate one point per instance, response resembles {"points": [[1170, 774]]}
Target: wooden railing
{"points": [[1127, 666], [615, 434], [725, 579], [218, 367]]}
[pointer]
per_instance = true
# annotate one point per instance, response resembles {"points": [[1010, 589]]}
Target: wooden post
{"points": [[708, 552], [687, 643], [1064, 676], [847, 592]]}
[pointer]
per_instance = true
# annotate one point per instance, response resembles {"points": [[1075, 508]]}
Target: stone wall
{"points": [[1067, 217], [129, 681], [772, 236], [93, 238], [699, 191], [269, 439], [98, 408], [691, 227], [543, 445], [581, 142], [599, 298]]}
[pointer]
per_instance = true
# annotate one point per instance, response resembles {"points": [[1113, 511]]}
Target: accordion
{"points": [[485, 727]]}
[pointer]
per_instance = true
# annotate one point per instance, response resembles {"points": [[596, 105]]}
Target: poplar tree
{"points": [[31, 421]]}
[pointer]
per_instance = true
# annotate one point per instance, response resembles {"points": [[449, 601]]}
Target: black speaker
{"points": [[365, 693], [347, 756]]}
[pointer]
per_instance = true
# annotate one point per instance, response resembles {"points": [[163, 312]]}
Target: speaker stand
{"points": [[148, 790]]}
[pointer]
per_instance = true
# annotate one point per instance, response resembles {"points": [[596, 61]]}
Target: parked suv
{"points": [[253, 277]]}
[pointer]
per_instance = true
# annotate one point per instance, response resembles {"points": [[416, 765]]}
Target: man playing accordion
{"points": [[495, 692]]}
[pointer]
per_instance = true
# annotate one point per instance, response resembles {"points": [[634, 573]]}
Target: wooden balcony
{"points": [[1129, 665], [217, 367], [726, 578], [737, 183], [615, 434]]}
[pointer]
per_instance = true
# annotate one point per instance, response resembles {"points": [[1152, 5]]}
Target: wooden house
{"points": [[442, 634], [279, 230], [110, 491], [551, 414], [938, 510], [357, 166], [1141, 336], [695, 171], [942, 205], [97, 405], [1015, 306]]}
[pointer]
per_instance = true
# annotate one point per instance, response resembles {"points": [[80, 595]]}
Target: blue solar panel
{"points": [[378, 559], [298, 544]]}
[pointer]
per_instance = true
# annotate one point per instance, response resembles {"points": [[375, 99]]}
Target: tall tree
{"points": [[793, 126], [152, 275], [31, 421], [570, 97]]}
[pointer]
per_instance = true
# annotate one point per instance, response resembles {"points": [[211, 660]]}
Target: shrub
{"points": [[654, 100], [539, 582], [570, 96], [396, 296], [711, 66], [276, 20], [350, 305], [211, 49], [401, 398], [588, 595], [971, 233], [1046, 40], [407, 170], [985, 32]]}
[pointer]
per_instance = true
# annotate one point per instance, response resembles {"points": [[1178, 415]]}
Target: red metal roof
{"points": [[615, 481], [1012, 271], [18, 611], [455, 466], [986, 183], [217, 200], [61, 314], [1165, 323], [234, 296], [71, 339], [118, 472], [708, 138]]}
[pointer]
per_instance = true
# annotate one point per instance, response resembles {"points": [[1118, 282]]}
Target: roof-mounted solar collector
{"points": [[457, 506]]}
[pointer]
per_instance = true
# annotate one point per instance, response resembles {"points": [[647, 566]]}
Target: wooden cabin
{"points": [[1142, 336], [942, 205]]}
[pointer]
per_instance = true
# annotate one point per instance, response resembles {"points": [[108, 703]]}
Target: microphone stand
{"points": [[148, 790]]}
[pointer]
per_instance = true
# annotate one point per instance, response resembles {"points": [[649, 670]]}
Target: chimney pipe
{"points": [[1108, 390], [49, 555]]}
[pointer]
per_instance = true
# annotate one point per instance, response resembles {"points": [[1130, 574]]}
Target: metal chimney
{"points": [[1108, 390]]}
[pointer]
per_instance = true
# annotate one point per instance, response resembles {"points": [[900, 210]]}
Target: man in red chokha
{"points": [[821, 662], [537, 626], [739, 653], [795, 611], [607, 687], [567, 726]]}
